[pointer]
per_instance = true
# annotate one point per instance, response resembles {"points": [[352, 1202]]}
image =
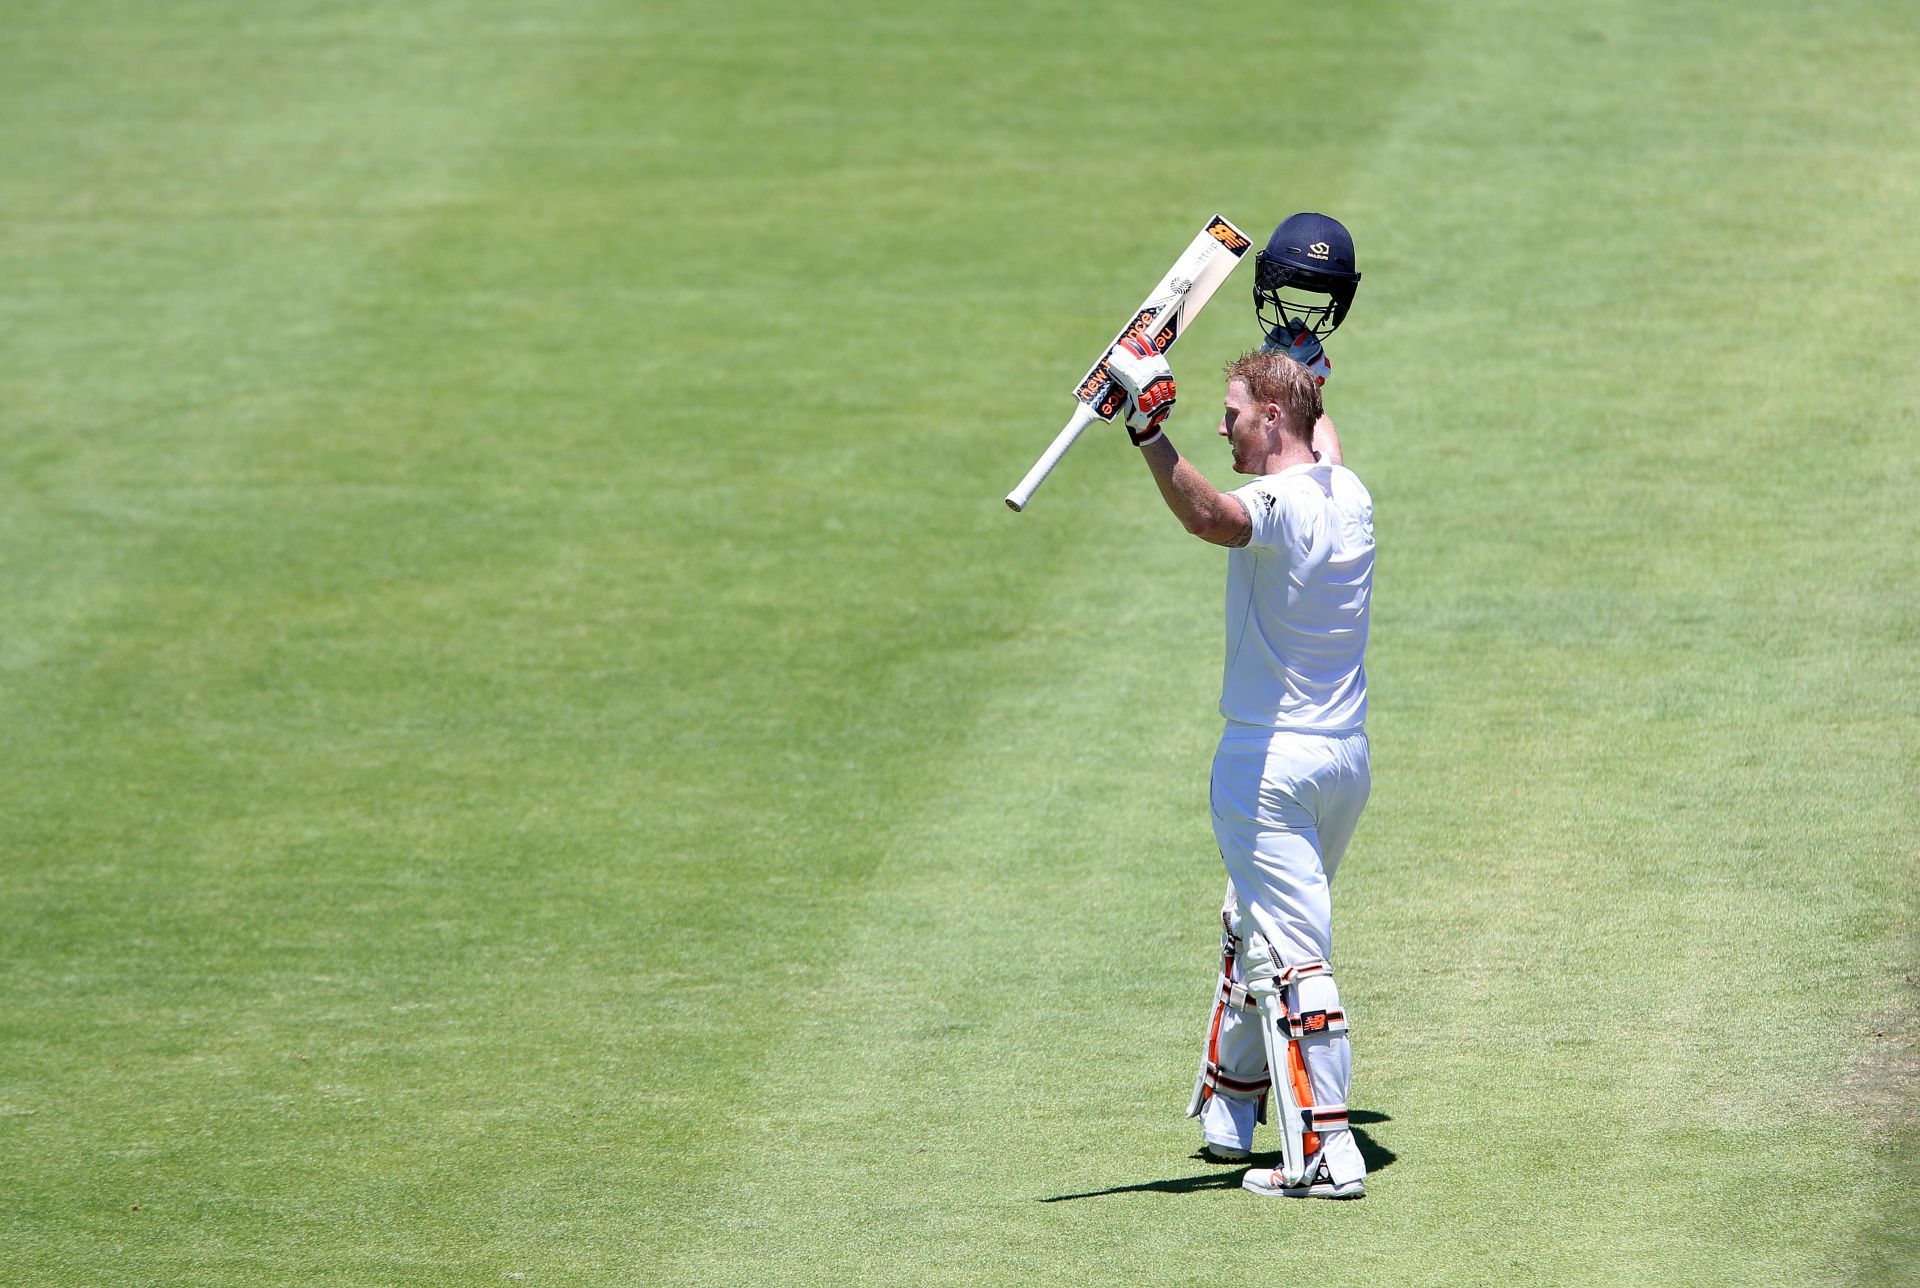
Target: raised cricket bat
{"points": [[1162, 318]]}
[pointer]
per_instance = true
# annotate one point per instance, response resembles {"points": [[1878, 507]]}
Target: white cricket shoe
{"points": [[1214, 1152], [1266, 1180]]}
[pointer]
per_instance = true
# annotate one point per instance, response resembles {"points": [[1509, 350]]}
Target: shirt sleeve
{"points": [[1266, 508]]}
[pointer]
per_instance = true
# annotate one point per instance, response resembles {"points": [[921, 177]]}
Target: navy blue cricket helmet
{"points": [[1308, 254]]}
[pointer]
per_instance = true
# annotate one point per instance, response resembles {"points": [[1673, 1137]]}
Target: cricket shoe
{"points": [[1214, 1152], [1266, 1180]]}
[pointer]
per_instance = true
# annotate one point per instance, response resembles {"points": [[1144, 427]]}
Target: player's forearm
{"points": [[1201, 508], [1326, 441]]}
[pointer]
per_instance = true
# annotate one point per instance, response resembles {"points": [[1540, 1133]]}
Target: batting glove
{"points": [[1142, 373], [1303, 346]]}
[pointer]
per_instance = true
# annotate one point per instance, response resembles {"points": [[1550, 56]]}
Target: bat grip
{"points": [[1083, 416]]}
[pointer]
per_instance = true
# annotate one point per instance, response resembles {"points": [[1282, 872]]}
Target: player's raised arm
{"points": [[1205, 511], [1326, 441], [1142, 373]]}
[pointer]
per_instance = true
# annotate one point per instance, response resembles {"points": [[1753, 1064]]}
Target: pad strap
{"points": [[1316, 1024], [1236, 997], [1325, 1117], [1216, 1079], [1319, 1118], [1303, 970]]}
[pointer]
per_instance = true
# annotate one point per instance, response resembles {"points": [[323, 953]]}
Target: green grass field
{"points": [[533, 751]]}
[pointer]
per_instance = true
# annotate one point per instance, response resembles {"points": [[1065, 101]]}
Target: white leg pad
{"points": [[1293, 1162], [1233, 1061], [1224, 1068], [1230, 1090], [1228, 1124], [1319, 1027], [1267, 982]]}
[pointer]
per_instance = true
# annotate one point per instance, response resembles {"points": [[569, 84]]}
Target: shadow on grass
{"points": [[1227, 1176]]}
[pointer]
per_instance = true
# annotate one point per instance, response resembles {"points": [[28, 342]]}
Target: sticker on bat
{"points": [[1227, 235]]}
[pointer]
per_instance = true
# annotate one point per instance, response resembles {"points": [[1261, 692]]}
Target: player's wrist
{"points": [[1158, 449]]}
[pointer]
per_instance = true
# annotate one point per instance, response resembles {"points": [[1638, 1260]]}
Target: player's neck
{"points": [[1291, 452]]}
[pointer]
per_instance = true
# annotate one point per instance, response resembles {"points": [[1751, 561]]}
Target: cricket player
{"points": [[1291, 773]]}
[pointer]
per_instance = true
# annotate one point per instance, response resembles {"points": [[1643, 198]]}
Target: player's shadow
{"points": [[1227, 1177]]}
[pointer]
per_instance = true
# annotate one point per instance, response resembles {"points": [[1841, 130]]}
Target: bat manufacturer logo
{"points": [[1094, 382], [1227, 235], [1319, 250], [1180, 285]]}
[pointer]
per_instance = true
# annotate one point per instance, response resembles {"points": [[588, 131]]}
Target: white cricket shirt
{"points": [[1297, 600]]}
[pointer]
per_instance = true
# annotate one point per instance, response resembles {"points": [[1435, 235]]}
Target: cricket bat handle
{"points": [[1083, 416]]}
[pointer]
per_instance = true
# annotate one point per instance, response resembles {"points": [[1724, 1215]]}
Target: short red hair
{"points": [[1272, 377]]}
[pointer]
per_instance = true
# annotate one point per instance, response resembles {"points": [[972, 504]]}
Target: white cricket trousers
{"points": [[1284, 807]]}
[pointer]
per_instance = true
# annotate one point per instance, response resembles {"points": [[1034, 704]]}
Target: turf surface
{"points": [[534, 752]]}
